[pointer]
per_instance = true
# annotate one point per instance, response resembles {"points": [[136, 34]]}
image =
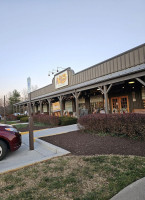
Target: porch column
{"points": [[105, 92], [87, 103], [49, 102], [19, 109], [73, 105], [76, 95], [33, 108], [60, 100], [28, 109], [16, 109], [41, 108], [23, 109], [47, 107], [106, 99]]}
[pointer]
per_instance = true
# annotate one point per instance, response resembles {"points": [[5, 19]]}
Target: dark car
{"points": [[10, 139]]}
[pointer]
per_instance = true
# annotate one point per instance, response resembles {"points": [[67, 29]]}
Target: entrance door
{"points": [[120, 104]]}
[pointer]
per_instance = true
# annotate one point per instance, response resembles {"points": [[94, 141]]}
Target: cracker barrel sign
{"points": [[61, 80]]}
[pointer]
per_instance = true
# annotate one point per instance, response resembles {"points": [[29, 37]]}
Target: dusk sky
{"points": [[37, 36]]}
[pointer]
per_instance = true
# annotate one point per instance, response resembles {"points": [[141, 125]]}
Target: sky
{"points": [[37, 36]]}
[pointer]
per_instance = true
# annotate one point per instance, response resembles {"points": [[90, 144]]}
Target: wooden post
{"points": [[23, 109], [16, 109], [106, 99], [60, 100], [49, 102], [41, 108], [31, 139], [76, 95]]}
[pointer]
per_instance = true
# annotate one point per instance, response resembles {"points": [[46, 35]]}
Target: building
{"points": [[116, 85]]}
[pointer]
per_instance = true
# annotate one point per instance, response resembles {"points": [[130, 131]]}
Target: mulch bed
{"points": [[79, 143]]}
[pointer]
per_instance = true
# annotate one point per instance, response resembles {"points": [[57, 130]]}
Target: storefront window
{"points": [[96, 102]]}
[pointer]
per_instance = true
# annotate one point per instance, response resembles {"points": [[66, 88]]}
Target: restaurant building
{"points": [[116, 85]]}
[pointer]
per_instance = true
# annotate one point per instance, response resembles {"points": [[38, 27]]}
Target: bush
{"points": [[24, 119], [11, 118], [46, 119], [64, 120], [131, 125], [20, 116]]}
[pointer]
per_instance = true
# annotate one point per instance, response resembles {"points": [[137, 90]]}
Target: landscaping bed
{"points": [[81, 143]]}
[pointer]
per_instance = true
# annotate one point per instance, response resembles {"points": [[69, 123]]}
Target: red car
{"points": [[9, 139]]}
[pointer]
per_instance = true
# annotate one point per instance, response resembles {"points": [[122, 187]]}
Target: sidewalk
{"points": [[42, 150], [134, 191]]}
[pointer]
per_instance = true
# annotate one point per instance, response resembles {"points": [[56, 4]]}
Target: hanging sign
{"points": [[28, 85], [56, 106], [61, 80]]}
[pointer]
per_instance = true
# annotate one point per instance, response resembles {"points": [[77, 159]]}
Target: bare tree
{"points": [[24, 92], [1, 106]]}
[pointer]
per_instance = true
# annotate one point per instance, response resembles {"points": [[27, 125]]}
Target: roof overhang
{"points": [[130, 73]]}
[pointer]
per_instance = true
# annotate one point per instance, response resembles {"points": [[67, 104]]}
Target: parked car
{"points": [[10, 139], [17, 114]]}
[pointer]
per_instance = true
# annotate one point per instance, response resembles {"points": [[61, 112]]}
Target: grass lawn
{"points": [[21, 126], [9, 122], [73, 177]]}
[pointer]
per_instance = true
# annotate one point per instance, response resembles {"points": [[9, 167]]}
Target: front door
{"points": [[120, 104]]}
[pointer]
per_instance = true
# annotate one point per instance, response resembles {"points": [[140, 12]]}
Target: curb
{"points": [[52, 147]]}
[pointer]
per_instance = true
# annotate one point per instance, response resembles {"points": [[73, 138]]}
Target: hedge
{"points": [[54, 120], [131, 125], [11, 118], [46, 119], [64, 120], [24, 119]]}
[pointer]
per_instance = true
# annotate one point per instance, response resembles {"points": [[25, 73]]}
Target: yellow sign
{"points": [[61, 80], [56, 106]]}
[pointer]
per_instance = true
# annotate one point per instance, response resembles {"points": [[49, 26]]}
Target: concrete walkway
{"points": [[135, 191], [42, 150]]}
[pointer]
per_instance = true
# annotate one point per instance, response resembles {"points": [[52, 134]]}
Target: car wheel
{"points": [[3, 149]]}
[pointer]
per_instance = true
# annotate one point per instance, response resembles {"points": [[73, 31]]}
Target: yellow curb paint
{"points": [[47, 136], [23, 133]]}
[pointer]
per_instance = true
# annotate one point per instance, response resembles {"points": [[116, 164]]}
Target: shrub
{"points": [[46, 119], [64, 120], [131, 124], [24, 119], [11, 118], [20, 116]]}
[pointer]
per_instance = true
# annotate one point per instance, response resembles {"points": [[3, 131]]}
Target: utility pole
{"points": [[4, 110]]}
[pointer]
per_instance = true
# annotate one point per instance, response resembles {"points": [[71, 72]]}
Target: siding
{"points": [[120, 62]]}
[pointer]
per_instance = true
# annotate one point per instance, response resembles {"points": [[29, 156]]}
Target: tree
{"points": [[14, 98], [1, 106], [24, 92]]}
